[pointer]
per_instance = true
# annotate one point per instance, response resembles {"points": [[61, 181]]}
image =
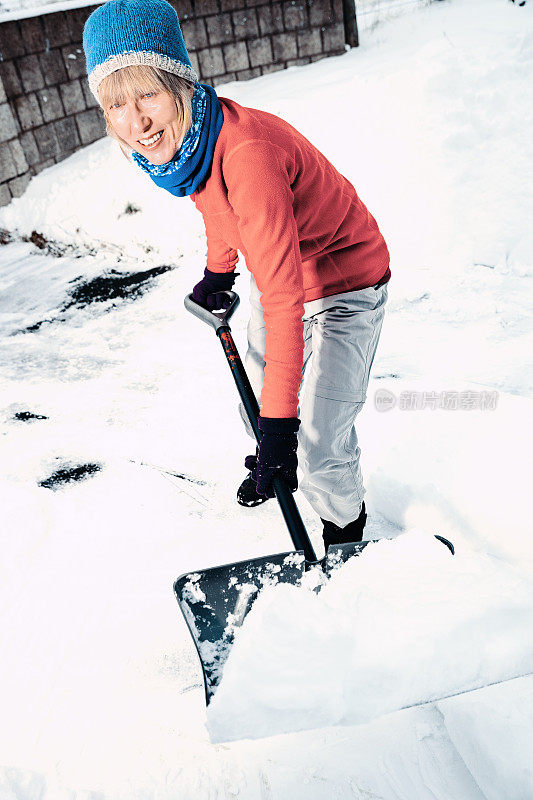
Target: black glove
{"points": [[276, 454], [209, 292]]}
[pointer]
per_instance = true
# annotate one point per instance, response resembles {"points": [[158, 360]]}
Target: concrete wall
{"points": [[47, 111]]}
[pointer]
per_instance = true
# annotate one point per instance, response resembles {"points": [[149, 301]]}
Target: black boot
{"points": [[353, 532], [247, 493]]}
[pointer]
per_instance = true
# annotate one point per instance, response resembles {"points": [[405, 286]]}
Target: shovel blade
{"points": [[215, 602], [338, 554]]}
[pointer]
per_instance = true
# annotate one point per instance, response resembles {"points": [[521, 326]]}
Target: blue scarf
{"points": [[190, 166]]}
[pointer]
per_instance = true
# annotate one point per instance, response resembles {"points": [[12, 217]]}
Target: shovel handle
{"points": [[217, 319], [220, 322]]}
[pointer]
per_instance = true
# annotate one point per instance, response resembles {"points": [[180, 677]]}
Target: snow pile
{"points": [[97, 199], [404, 623]]}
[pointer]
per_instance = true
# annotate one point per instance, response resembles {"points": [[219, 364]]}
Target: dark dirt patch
{"points": [[57, 249], [131, 208], [37, 325], [38, 240], [5, 236], [113, 285], [66, 475], [26, 416]]}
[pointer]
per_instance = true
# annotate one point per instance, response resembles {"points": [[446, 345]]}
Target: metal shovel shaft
{"points": [[289, 509], [219, 321]]}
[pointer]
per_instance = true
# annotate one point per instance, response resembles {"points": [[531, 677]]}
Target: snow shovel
{"points": [[215, 601]]}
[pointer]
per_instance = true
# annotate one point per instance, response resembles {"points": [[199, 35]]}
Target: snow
{"points": [[369, 12], [404, 602], [22, 9], [100, 689], [498, 713]]}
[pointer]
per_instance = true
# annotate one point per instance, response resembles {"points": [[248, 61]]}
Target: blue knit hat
{"points": [[122, 33]]}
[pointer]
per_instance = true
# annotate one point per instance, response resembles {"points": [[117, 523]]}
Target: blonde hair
{"points": [[133, 82]]}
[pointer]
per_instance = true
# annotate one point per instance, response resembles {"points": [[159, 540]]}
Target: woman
{"points": [[319, 263]]}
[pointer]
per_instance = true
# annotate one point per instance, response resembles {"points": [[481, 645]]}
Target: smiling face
{"points": [[148, 124], [147, 111]]}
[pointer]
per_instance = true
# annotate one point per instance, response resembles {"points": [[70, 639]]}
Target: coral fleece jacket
{"points": [[300, 225]]}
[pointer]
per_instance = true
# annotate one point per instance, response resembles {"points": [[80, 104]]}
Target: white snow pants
{"points": [[341, 333]]}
